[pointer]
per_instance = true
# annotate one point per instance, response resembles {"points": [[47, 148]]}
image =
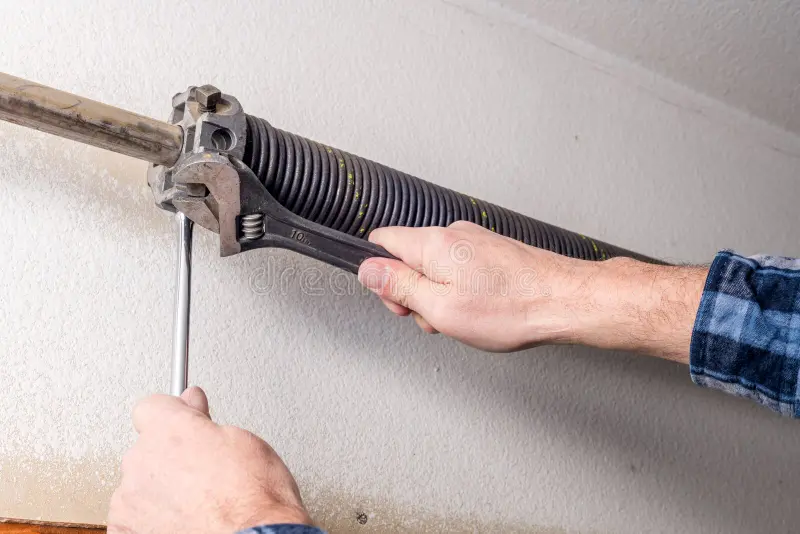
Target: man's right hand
{"points": [[500, 295]]}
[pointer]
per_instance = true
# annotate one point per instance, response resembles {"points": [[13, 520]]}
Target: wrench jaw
{"points": [[203, 184], [213, 187], [273, 225], [219, 209]]}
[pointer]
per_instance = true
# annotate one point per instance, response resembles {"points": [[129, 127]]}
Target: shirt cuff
{"points": [[746, 337], [282, 529]]}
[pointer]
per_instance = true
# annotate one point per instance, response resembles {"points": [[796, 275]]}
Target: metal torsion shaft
{"points": [[80, 119]]}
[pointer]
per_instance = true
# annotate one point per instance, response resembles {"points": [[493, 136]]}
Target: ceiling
{"points": [[745, 53]]}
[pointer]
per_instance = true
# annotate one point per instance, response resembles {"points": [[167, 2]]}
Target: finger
{"points": [[155, 410], [396, 282], [116, 508], [422, 323], [196, 398], [403, 242], [395, 308]]}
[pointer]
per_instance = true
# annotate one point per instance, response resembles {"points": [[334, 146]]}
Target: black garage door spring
{"points": [[355, 195]]}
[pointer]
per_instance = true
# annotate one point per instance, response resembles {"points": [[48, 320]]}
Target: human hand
{"points": [[500, 295], [484, 289], [186, 474]]}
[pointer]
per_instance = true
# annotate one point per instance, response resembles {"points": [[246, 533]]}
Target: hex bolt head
{"points": [[208, 97]]}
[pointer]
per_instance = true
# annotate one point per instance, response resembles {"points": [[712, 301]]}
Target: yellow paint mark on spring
{"points": [[473, 201], [361, 230], [483, 214], [492, 229], [594, 246], [341, 163], [328, 150], [604, 255], [350, 179], [582, 236], [360, 214], [358, 194]]}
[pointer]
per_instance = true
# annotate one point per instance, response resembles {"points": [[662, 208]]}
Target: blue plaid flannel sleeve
{"points": [[746, 338], [282, 529]]}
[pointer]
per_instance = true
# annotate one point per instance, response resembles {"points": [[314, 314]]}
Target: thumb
{"points": [[196, 398], [396, 282]]}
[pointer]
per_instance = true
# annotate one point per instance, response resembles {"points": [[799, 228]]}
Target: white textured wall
{"points": [[418, 432], [743, 52]]}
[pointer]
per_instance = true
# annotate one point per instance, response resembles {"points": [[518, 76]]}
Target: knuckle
{"points": [[233, 432], [245, 440], [146, 405], [437, 236], [469, 228], [139, 406], [406, 290], [238, 436], [462, 225], [449, 236], [437, 246], [402, 299], [128, 462]]}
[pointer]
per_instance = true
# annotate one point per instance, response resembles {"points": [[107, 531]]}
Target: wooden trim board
{"points": [[14, 526]]}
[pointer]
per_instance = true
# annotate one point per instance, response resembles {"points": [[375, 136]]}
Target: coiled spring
{"points": [[252, 226], [355, 195]]}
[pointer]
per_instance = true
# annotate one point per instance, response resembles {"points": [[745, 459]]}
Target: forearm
{"points": [[735, 322], [628, 305]]}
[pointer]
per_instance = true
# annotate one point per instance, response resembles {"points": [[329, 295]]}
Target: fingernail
{"points": [[373, 235], [372, 275]]}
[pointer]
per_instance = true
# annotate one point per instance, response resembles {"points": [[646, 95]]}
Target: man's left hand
{"points": [[187, 474]]}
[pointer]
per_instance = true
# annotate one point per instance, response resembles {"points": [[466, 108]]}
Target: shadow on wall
{"points": [[700, 454], [345, 514], [712, 458], [336, 512]]}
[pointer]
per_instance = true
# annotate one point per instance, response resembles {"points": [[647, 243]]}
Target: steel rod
{"points": [[183, 293], [81, 119]]}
